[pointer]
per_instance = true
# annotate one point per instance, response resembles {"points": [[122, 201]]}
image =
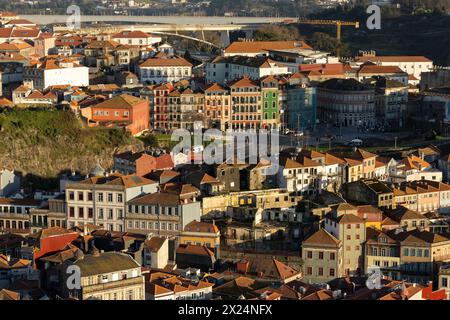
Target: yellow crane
{"points": [[337, 23]]}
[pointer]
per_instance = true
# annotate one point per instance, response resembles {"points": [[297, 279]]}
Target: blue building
{"points": [[301, 108]]}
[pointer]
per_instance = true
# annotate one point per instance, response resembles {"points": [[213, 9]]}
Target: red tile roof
{"points": [[166, 62], [261, 46]]}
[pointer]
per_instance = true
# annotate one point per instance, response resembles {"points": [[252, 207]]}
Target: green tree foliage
{"points": [[274, 32], [46, 142], [325, 42]]}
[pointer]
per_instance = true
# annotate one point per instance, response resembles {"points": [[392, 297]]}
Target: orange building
{"points": [[246, 104], [122, 110], [217, 106]]}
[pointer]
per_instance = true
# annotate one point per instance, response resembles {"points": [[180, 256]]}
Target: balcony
{"points": [[113, 285]]}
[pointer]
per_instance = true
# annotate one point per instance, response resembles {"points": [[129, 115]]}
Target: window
{"points": [[444, 282], [71, 196], [71, 212], [110, 197], [320, 255], [332, 256], [320, 272], [309, 270], [309, 254], [331, 272], [80, 196], [100, 197], [349, 237], [119, 198], [89, 196]]}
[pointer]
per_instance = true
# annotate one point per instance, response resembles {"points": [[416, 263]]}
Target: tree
{"points": [[273, 32], [325, 42]]}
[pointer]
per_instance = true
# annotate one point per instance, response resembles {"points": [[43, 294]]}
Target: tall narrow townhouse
{"points": [[217, 107], [344, 224], [246, 104], [270, 107]]}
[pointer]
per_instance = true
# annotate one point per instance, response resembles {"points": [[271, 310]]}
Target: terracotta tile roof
{"points": [[375, 69], [194, 250], [25, 33], [345, 218], [370, 213], [159, 198], [365, 154], [292, 164], [8, 14], [6, 294], [429, 151], [13, 46], [127, 181], [20, 21], [393, 59], [53, 231], [322, 237], [13, 263], [5, 102], [162, 283], [327, 69], [344, 207], [20, 202], [126, 34], [111, 44], [204, 227], [175, 61], [214, 87], [414, 162], [245, 81], [320, 295], [154, 243], [182, 189], [122, 101], [261, 46], [424, 236], [284, 271], [389, 222], [353, 162], [331, 159], [5, 32]]}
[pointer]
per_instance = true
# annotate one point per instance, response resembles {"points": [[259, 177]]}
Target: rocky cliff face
{"points": [[43, 143]]}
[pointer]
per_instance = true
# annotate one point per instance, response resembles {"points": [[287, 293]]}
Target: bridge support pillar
{"points": [[224, 38]]}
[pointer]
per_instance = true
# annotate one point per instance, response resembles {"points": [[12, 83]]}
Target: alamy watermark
{"points": [[250, 146], [73, 281], [374, 20], [375, 277], [73, 22]]}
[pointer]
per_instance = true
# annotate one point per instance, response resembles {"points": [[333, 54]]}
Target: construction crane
{"points": [[337, 23]]}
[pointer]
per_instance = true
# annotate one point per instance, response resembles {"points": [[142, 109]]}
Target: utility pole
{"points": [[395, 143]]}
